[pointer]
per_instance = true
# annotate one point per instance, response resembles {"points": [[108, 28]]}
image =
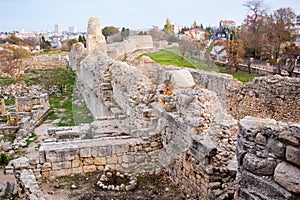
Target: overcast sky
{"points": [[41, 15]]}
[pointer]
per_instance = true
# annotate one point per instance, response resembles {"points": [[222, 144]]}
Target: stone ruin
{"points": [[183, 122], [29, 112]]}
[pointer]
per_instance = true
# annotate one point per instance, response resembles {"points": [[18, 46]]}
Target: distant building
{"points": [[177, 28], [228, 23], [58, 29], [195, 34], [73, 29]]}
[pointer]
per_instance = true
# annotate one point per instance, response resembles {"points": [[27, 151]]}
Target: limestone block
{"points": [[100, 161], [105, 151], [275, 147], [288, 138], [95, 151], [20, 163], [295, 129], [85, 152], [112, 159], [46, 165], [258, 166], [76, 163], [90, 168], [76, 170], [288, 177], [120, 148], [140, 158], [88, 161], [61, 165], [128, 158], [180, 79], [61, 172], [293, 155], [263, 188]]}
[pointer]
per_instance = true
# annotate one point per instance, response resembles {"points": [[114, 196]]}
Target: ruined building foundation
{"points": [[180, 121]]}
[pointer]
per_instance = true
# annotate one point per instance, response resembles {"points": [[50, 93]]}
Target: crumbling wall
{"points": [[269, 159], [273, 97], [47, 61]]}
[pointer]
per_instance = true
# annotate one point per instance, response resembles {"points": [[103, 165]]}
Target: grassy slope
{"points": [[172, 56]]}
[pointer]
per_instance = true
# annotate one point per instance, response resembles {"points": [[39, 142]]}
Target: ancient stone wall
{"points": [[273, 97], [82, 156], [269, 159], [30, 111], [119, 50], [47, 61]]}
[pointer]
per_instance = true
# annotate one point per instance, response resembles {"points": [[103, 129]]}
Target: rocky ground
{"points": [[84, 187]]}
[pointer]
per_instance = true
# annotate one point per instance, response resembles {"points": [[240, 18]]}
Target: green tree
{"points": [[125, 33], [45, 44], [109, 30], [58, 79]]}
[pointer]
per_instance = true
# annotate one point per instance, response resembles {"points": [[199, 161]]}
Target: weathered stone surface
{"points": [[293, 155], [288, 177], [61, 165], [20, 163], [276, 147], [263, 188], [95, 41], [128, 158], [85, 152], [90, 168], [105, 151], [260, 139], [100, 161], [258, 166], [180, 78]]}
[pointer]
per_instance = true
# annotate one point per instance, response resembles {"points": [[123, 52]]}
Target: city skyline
{"points": [[34, 15]]}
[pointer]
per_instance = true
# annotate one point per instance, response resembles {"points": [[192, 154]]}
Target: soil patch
{"points": [[84, 187]]}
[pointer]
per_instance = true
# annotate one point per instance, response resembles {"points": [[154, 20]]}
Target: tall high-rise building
{"points": [[58, 29], [73, 29]]}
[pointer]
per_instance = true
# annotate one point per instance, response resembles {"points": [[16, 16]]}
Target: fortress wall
{"points": [[269, 159]]}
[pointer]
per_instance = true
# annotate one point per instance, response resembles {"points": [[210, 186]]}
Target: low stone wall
{"points": [[82, 156], [269, 160], [47, 61], [273, 97], [119, 50]]}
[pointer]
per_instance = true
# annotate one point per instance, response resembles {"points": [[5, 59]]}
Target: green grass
{"points": [[242, 76], [9, 138], [172, 56], [11, 101], [29, 80], [6, 81]]}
